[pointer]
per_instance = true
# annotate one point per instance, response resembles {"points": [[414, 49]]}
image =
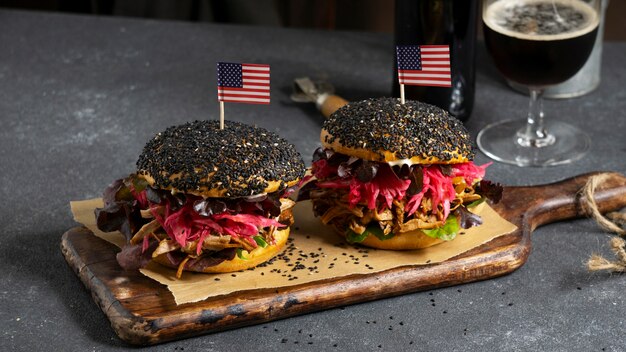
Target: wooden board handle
{"points": [[331, 104], [562, 200]]}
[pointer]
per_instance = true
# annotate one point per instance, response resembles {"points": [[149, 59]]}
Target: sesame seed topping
{"points": [[408, 130], [203, 156]]}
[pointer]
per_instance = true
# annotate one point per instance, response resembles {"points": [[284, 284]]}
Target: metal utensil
{"points": [[305, 90]]}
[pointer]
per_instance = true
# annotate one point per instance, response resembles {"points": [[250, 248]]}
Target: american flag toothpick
{"points": [[242, 83], [423, 65]]}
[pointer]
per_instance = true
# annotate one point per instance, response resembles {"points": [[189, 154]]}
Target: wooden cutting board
{"points": [[143, 312]]}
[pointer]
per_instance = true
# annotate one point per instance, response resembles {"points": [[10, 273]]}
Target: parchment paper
{"points": [[313, 253]]}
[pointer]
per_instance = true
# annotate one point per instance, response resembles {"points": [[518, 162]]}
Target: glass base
{"points": [[501, 141]]}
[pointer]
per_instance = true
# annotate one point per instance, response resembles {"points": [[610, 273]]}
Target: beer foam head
{"points": [[541, 19]]}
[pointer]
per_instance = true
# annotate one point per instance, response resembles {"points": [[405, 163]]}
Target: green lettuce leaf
{"points": [[446, 232], [374, 230], [378, 232], [139, 183], [353, 237], [240, 254], [260, 241], [476, 202]]}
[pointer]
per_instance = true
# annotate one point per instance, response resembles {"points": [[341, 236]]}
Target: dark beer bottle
{"points": [[451, 22]]}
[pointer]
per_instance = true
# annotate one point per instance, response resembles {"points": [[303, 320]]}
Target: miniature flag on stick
{"points": [[423, 65], [242, 83]]}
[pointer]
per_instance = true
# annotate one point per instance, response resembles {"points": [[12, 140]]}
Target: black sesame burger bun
{"points": [[384, 130], [257, 256], [240, 160]]}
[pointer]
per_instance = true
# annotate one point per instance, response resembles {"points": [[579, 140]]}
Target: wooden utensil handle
{"points": [[563, 200], [330, 104]]}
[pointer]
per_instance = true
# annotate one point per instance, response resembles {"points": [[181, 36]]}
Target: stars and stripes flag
{"points": [[424, 65], [243, 83]]}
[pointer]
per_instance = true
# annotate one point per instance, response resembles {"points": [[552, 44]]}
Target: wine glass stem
{"points": [[534, 135]]}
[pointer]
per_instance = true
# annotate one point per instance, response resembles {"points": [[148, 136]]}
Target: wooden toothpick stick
{"points": [[221, 115]]}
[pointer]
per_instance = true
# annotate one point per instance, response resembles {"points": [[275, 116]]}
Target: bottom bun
{"points": [[415, 239], [255, 257]]}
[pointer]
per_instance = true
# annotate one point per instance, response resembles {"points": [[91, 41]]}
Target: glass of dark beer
{"points": [[537, 43]]}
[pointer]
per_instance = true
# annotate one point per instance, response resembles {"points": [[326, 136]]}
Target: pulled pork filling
{"points": [[374, 198], [193, 232]]}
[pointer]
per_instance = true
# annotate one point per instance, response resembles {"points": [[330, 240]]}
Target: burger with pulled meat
{"points": [[205, 199], [396, 176]]}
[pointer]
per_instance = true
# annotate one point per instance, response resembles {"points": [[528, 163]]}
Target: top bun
{"points": [[240, 160], [385, 130]]}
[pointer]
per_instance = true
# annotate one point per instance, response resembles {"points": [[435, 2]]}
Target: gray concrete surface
{"points": [[79, 97]]}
